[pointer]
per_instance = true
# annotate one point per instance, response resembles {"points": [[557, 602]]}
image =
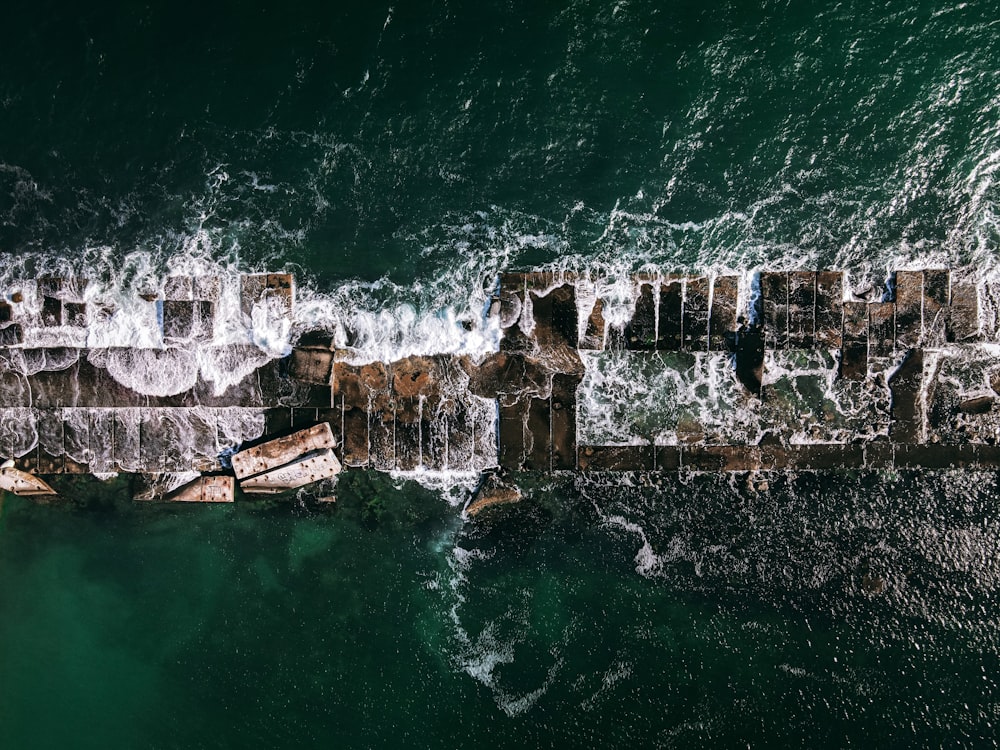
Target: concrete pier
{"points": [[783, 370]]}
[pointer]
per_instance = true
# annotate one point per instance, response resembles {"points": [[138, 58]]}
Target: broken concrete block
{"points": [[283, 450], [311, 365], [491, 492], [22, 483], [300, 472], [214, 489]]}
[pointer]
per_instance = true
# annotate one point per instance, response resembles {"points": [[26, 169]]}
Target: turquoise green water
{"points": [[427, 145], [750, 619]]}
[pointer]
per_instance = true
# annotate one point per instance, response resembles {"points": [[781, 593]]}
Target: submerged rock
{"points": [[493, 491]]}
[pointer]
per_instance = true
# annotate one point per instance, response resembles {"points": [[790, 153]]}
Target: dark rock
{"points": [[979, 405]]}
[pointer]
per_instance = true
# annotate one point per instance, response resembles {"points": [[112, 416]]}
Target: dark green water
{"points": [[431, 144]]}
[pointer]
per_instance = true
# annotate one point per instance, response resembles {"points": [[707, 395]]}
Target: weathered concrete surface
{"points": [[829, 309], [303, 470], [212, 489], [640, 333], [696, 314], [724, 314], [907, 414], [22, 483], [909, 308], [774, 303], [854, 354], [670, 314], [805, 385], [281, 451], [801, 309]]}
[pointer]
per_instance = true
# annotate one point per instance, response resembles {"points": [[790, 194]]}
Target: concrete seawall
{"points": [[778, 370]]}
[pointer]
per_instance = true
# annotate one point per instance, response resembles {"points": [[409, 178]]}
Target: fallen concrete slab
{"points": [[284, 450], [300, 472]]}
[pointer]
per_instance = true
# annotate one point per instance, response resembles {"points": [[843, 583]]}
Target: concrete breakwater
{"points": [[769, 371]]}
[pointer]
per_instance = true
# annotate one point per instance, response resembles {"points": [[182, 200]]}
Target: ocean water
{"points": [[395, 157]]}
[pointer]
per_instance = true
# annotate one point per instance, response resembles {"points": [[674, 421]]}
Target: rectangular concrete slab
{"points": [[856, 321], [879, 455], [962, 317], [407, 444], [667, 458], [382, 439], [179, 318], [512, 446], [811, 457], [936, 456], [695, 314], [538, 456], [854, 360], [126, 452], [881, 329], [51, 441], [720, 458], [854, 354], [214, 489], [102, 440], [178, 288], [11, 334], [334, 416], [300, 472], [280, 451], [907, 413], [937, 298], [460, 425], [774, 307], [563, 421], [801, 309], [640, 332], [909, 308], [616, 458], [668, 336], [829, 309], [725, 293]]}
